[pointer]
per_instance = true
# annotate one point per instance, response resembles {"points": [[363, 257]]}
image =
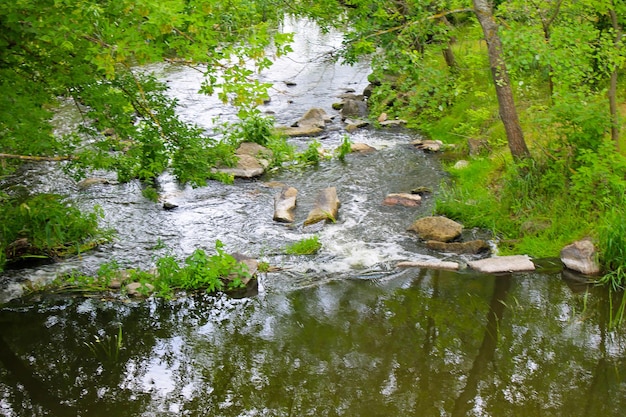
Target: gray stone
{"points": [[502, 264], [436, 228], [326, 207], [353, 108], [581, 256], [285, 204]]}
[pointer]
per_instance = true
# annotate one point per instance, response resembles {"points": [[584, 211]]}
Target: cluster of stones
{"points": [[442, 234], [326, 207]]}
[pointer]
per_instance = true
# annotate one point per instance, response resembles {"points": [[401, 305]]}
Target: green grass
{"points": [[308, 246]]}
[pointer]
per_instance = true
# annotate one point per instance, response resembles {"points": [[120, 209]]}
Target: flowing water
{"points": [[340, 333]]}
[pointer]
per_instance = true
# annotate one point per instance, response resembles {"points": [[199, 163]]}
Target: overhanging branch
{"points": [[38, 158]]}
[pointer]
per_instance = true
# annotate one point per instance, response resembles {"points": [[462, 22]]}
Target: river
{"points": [[340, 333]]}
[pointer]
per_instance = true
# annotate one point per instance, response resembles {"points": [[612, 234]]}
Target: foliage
{"points": [[311, 156], [307, 246], [46, 225], [198, 271], [94, 55]]}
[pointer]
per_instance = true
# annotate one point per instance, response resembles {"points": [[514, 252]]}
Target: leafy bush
{"points": [[47, 225]]}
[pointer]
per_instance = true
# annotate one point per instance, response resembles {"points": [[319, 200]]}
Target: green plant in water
{"points": [[107, 349], [311, 156], [307, 246], [344, 149]]}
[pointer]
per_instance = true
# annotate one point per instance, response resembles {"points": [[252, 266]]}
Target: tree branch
{"points": [[38, 158]]}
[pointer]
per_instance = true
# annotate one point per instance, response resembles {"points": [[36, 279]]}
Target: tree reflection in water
{"points": [[417, 343]]}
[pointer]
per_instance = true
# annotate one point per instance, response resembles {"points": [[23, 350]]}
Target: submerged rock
{"points": [[285, 204], [501, 264], [437, 228], [138, 289], [581, 256], [326, 207]]}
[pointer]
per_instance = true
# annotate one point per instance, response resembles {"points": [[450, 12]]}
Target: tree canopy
{"points": [[90, 52]]}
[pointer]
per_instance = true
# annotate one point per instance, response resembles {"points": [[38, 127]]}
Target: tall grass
{"points": [[612, 244]]}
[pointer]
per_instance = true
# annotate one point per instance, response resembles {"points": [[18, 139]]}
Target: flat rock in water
{"points": [[501, 264], [300, 130], [285, 204], [402, 199], [453, 266], [326, 207]]}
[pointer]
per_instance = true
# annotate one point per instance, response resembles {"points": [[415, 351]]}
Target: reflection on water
{"points": [[417, 343]]}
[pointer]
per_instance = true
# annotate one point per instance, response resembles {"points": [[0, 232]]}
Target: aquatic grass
{"points": [[612, 247], [307, 246], [107, 349], [344, 149]]}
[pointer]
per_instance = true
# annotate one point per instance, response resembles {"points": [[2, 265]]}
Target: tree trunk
{"points": [[613, 84], [508, 112]]}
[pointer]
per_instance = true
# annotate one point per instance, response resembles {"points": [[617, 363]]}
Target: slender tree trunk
{"points": [[508, 112], [613, 84]]}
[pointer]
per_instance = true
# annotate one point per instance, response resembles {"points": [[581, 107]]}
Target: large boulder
{"points": [[503, 264], [353, 107], [581, 256], [326, 207], [437, 228], [285, 204]]}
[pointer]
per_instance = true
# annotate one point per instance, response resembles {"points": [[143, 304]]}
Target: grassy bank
{"points": [[573, 187]]}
